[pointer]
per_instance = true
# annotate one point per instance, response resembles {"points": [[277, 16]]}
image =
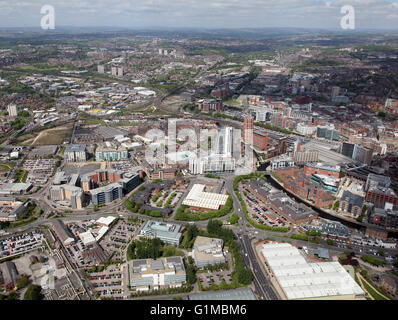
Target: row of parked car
{"points": [[262, 212], [76, 251], [113, 276], [21, 243], [103, 285]]}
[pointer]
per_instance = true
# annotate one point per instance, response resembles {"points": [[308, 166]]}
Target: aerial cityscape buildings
{"points": [[188, 164]]}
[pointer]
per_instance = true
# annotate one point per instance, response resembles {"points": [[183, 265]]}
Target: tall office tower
{"points": [[248, 124], [120, 71], [364, 155], [282, 145], [114, 70], [224, 142], [12, 110], [348, 149], [75, 153], [297, 146], [161, 52], [335, 91], [229, 141], [101, 68]]}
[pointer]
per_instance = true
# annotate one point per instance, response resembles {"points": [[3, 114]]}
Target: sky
{"points": [[369, 14]]}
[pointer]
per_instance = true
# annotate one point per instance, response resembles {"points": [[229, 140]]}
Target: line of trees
{"points": [[189, 237], [241, 274], [374, 261]]}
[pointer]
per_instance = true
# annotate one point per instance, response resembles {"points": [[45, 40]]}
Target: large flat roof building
{"points": [[379, 192], [166, 232], [303, 280], [208, 251], [15, 188], [235, 294], [147, 274], [68, 192], [198, 199], [75, 153], [10, 209], [62, 232], [110, 152], [106, 194], [212, 164]]}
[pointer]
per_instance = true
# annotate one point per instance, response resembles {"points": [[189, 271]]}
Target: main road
{"points": [[262, 285]]}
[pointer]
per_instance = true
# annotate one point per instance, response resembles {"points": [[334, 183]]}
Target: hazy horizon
{"points": [[218, 14]]}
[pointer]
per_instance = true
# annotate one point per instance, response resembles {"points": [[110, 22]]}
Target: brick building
{"points": [[351, 203], [309, 170]]}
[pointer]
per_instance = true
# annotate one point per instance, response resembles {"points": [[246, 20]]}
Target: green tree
{"points": [[23, 282], [245, 276], [33, 293], [233, 219], [13, 295], [191, 274]]}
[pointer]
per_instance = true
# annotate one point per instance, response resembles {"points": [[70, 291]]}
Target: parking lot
{"points": [[39, 170], [215, 277], [110, 245], [20, 244], [117, 238], [166, 196], [207, 278], [108, 283], [80, 169], [123, 165]]}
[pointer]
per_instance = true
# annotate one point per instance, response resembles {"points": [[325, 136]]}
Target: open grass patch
{"points": [[7, 166]]}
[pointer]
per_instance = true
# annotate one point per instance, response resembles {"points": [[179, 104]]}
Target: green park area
{"points": [[6, 166]]}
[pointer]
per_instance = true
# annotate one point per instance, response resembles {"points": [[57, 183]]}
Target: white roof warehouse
{"points": [[197, 198], [301, 280]]}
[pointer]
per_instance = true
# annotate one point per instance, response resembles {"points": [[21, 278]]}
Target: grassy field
{"points": [[25, 139], [47, 137], [6, 166], [56, 136], [235, 103], [94, 122]]}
